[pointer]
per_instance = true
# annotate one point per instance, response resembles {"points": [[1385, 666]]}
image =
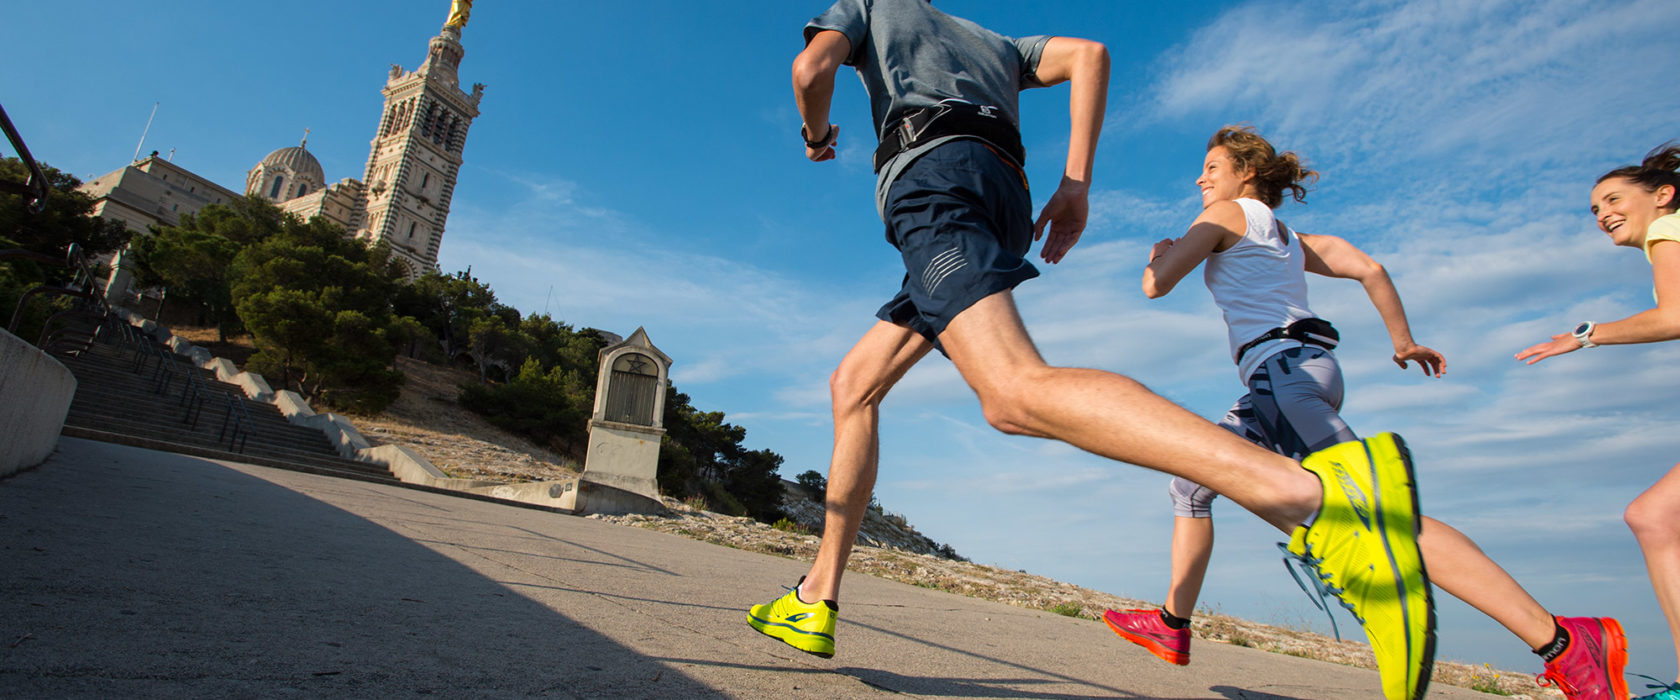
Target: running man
{"points": [[1256, 270], [943, 94]]}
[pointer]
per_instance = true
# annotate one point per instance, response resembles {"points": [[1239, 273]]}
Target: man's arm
{"points": [[1084, 64], [813, 89], [1334, 257]]}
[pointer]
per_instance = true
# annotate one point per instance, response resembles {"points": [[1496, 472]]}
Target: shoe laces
{"points": [[1659, 686], [1554, 677], [1297, 565]]}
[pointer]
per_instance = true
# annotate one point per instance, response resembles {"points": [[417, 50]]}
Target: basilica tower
{"points": [[416, 155]]}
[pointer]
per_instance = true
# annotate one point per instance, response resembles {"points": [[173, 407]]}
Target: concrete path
{"points": [[131, 573]]}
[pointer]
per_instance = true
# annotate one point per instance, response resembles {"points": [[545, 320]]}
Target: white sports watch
{"points": [[1583, 333]]}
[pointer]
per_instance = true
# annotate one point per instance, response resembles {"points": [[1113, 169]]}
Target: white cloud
{"points": [[1505, 84]]}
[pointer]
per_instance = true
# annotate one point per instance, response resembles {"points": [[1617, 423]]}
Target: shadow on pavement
{"points": [[173, 576]]}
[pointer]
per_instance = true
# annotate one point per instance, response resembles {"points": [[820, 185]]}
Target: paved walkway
{"points": [[131, 573]]}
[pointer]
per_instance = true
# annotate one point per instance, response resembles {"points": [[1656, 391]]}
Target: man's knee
{"points": [[851, 388], [1004, 411]]}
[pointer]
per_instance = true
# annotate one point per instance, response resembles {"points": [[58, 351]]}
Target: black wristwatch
{"points": [[813, 145]]}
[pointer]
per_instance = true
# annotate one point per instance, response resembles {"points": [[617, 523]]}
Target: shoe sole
{"points": [[811, 643], [1169, 655], [1412, 553], [1615, 656]]}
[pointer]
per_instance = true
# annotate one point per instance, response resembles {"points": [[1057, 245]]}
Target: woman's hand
{"points": [[1431, 362], [1559, 344]]}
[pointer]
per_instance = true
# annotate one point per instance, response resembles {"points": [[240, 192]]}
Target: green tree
{"points": [[192, 264], [550, 405], [754, 479], [447, 305], [357, 373], [317, 304], [410, 337], [66, 218], [815, 483], [495, 346], [291, 326]]}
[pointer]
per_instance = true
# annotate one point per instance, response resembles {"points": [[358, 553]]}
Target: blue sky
{"points": [[638, 164]]}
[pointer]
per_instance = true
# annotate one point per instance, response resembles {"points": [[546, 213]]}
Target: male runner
{"points": [[943, 92]]}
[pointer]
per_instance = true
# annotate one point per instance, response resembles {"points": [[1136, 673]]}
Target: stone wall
{"points": [[35, 394]]}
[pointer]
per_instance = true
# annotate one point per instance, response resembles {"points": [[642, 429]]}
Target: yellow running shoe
{"points": [[1363, 549], [808, 627]]}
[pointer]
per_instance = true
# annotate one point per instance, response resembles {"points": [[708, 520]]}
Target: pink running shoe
{"points": [[1590, 668], [1145, 628]]}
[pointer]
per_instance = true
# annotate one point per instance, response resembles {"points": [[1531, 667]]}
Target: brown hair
{"points": [[1273, 173], [1658, 169]]}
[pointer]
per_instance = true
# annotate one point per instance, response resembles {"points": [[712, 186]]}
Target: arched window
{"points": [[632, 389], [274, 192], [303, 189], [411, 226]]}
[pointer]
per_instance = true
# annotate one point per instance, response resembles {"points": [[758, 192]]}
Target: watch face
{"points": [[1582, 329]]}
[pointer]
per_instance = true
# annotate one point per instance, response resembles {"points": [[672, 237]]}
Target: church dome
{"points": [[299, 161]]}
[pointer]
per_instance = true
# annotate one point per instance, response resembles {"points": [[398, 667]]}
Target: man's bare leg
{"points": [[1116, 417], [865, 375]]}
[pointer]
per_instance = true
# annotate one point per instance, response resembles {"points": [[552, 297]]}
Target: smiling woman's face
{"points": [[1623, 209], [1221, 179]]}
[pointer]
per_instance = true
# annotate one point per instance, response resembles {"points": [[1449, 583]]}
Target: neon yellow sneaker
{"points": [[808, 627], [1362, 549]]}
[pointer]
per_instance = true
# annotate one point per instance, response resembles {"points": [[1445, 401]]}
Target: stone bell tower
{"points": [[416, 156]]}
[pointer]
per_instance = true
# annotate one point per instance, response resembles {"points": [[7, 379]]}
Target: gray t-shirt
{"points": [[910, 56]]}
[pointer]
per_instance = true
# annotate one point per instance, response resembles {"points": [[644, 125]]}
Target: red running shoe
{"points": [[1590, 668], [1145, 628]]}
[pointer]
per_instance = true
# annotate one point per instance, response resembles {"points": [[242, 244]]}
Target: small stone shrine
{"points": [[629, 418]]}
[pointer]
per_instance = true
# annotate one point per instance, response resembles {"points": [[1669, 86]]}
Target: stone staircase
{"points": [[134, 391]]}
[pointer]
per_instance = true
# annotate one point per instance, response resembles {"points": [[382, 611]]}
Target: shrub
{"points": [[786, 525], [1071, 609]]}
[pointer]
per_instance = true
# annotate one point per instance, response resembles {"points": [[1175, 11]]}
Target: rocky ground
{"points": [[427, 419]]}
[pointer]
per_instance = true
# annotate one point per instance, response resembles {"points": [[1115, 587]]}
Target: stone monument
{"points": [[629, 419]]}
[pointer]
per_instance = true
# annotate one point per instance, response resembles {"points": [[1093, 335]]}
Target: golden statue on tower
{"points": [[458, 12]]}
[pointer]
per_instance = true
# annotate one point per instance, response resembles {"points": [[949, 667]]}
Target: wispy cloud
{"points": [[1496, 84]]}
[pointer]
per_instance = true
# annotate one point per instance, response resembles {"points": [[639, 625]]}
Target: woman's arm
{"points": [[1334, 257], [1649, 326], [1219, 227]]}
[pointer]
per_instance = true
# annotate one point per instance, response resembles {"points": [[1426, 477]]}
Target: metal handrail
{"points": [[164, 376], [36, 188], [192, 397], [81, 283], [238, 417]]}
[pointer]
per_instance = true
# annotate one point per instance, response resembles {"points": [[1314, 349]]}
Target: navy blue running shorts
{"points": [[961, 217]]}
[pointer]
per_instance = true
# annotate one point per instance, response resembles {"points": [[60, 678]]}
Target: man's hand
{"points": [[1065, 214], [826, 150]]}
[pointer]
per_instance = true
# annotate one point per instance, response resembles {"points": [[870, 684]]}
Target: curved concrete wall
{"points": [[35, 394]]}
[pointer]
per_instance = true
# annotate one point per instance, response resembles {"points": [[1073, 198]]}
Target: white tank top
{"points": [[1260, 284]]}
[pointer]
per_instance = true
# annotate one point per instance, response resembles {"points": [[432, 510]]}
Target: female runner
{"points": [[1256, 270], [1636, 206]]}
